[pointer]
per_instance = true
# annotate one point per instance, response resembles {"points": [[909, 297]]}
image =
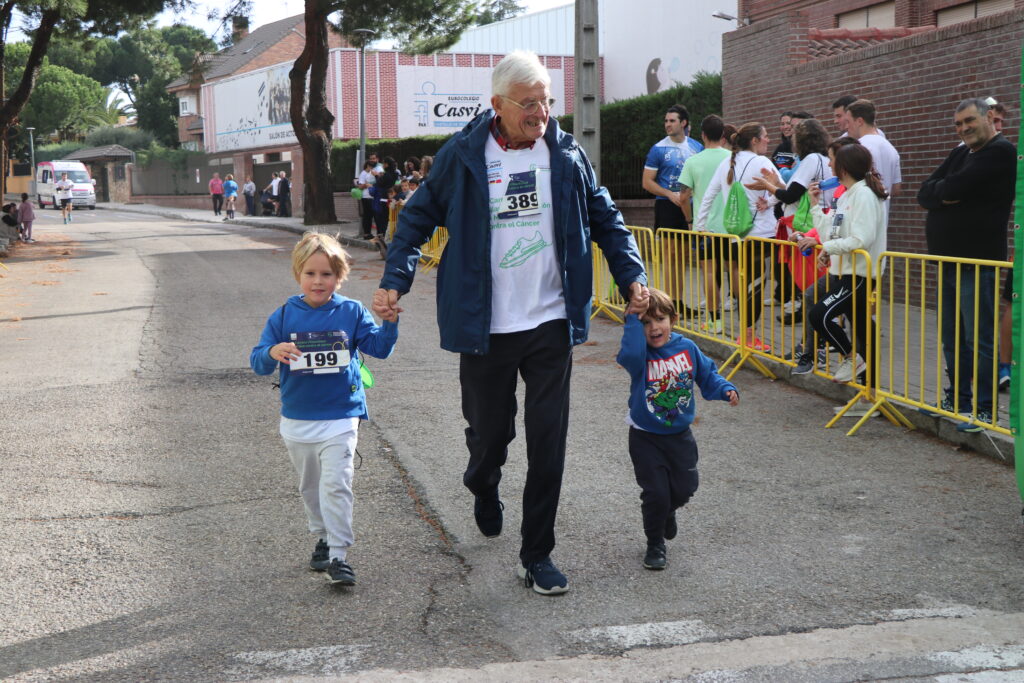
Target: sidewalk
{"points": [[992, 444]]}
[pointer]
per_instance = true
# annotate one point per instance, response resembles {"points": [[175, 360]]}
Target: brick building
{"points": [[915, 59]]}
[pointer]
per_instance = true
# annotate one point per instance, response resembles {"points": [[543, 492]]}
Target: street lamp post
{"points": [[365, 34], [32, 155]]}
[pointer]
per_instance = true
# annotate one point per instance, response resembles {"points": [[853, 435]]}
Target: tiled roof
{"points": [[231, 59], [98, 153], [834, 41]]}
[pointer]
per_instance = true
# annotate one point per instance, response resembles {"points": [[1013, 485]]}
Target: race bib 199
{"points": [[322, 352], [521, 197]]}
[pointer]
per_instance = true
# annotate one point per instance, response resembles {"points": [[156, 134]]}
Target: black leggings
{"points": [[849, 298]]}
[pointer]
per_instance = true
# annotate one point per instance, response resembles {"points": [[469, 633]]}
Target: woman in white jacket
{"points": [[748, 160], [859, 222]]}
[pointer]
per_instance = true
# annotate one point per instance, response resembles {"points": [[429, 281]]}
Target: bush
{"points": [[132, 138], [57, 151], [343, 155], [630, 127]]}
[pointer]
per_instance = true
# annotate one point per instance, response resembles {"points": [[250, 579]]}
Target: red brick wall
{"points": [[822, 13], [915, 83]]}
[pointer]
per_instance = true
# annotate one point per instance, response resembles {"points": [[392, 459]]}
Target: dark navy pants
{"points": [[666, 469], [543, 358]]}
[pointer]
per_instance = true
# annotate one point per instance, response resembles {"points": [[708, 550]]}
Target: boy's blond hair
{"points": [[311, 243], [662, 303]]}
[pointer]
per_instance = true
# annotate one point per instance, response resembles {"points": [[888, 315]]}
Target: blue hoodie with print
{"points": [[330, 396], [661, 398]]}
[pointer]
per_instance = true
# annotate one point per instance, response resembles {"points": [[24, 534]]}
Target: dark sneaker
{"points": [[321, 557], [977, 424], [487, 511], [338, 571], [804, 364], [947, 405], [655, 556], [671, 528], [544, 577], [792, 318]]}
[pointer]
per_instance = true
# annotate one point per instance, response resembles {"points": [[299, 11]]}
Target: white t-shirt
{"points": [[748, 167], [315, 431], [812, 169], [63, 188], [367, 178], [526, 285], [273, 185], [886, 161]]}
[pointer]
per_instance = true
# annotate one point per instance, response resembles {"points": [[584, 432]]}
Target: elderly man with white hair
{"points": [[521, 205]]}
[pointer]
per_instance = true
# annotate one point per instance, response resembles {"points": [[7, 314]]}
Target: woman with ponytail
{"points": [[858, 222], [748, 160]]}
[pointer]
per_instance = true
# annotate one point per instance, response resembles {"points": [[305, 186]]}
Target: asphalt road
{"points": [[151, 530]]}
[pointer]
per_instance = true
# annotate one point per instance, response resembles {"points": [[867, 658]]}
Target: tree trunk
{"points": [[313, 127]]}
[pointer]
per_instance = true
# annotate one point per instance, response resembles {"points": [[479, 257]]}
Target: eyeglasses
{"points": [[531, 108]]}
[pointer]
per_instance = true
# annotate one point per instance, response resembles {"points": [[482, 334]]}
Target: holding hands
{"points": [[385, 304], [639, 299]]}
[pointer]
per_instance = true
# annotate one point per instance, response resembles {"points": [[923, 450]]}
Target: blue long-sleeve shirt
{"points": [[331, 396], [661, 398]]}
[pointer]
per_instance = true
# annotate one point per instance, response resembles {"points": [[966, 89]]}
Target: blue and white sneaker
{"points": [[1004, 376], [977, 424], [543, 576], [947, 405]]}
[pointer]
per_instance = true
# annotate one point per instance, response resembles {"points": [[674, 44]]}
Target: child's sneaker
{"points": [[543, 576], [338, 571], [976, 424], [655, 558], [713, 325], [321, 558]]}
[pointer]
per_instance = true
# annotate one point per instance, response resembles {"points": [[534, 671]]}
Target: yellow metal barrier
{"points": [[430, 254], [607, 298], [911, 369]]}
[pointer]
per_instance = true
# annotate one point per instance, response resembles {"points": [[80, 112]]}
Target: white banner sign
{"points": [[439, 100], [240, 125]]}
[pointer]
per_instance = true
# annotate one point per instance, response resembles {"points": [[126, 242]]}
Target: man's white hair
{"points": [[520, 67]]}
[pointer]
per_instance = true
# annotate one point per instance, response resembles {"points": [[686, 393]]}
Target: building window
{"points": [[183, 107], [882, 15], [971, 10], [119, 172]]}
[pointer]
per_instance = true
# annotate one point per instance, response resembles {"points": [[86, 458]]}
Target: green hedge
{"points": [[630, 127], [343, 155], [57, 151]]}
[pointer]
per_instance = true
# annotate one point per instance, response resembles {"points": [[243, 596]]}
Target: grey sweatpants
{"points": [[325, 481]]}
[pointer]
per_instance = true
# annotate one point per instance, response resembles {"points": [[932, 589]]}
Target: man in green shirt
{"points": [[695, 178]]}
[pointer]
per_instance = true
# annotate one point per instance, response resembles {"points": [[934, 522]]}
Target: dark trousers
{"points": [[665, 466], [284, 205], [755, 276], [543, 358], [380, 217], [668, 215], [959, 305], [848, 298], [218, 201], [367, 207], [250, 205]]}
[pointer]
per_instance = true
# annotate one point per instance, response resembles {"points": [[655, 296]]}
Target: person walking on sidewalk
{"points": [[514, 289], [26, 215], [230, 195], [217, 193]]}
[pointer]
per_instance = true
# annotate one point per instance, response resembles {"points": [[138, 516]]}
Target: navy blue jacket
{"points": [[455, 195]]}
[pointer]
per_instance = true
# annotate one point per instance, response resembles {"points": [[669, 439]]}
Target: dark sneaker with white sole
{"points": [[487, 510], [543, 576], [804, 364], [655, 558], [321, 557], [338, 571]]}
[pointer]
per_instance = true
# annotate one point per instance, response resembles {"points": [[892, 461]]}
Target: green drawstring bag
{"points": [[357, 193], [365, 373], [737, 218]]}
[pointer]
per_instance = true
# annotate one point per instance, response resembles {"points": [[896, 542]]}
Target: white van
{"points": [[49, 172]]}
